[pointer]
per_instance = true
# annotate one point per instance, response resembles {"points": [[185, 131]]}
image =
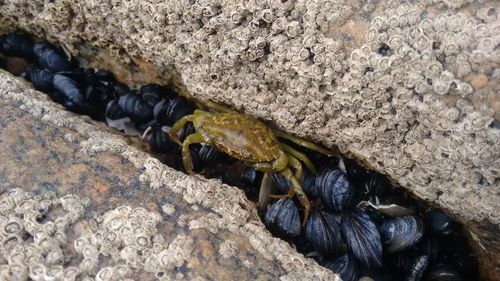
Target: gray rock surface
{"points": [[423, 107], [78, 203]]}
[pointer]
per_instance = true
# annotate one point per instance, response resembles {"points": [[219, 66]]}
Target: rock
{"points": [[408, 89], [74, 192]]}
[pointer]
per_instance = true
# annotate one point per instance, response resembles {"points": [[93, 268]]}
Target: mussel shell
{"points": [[438, 223], [170, 110], [442, 273], [417, 268], [195, 160], [280, 181], [135, 108], [51, 58], [400, 264], [211, 155], [42, 79], [377, 188], [283, 218], [160, 112], [16, 45], [362, 237], [430, 247], [187, 130], [308, 183], [401, 232], [69, 88], [121, 89], [142, 127], [99, 95], [152, 93], [251, 177], [178, 107], [104, 77], [457, 254], [346, 266], [159, 140], [323, 232], [114, 111], [357, 174], [335, 190]]}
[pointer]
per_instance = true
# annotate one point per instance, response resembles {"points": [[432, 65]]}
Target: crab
{"points": [[250, 140]]}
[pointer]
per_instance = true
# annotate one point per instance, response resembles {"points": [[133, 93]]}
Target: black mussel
{"points": [[346, 266], [121, 89], [70, 89], [211, 155], [367, 274], [171, 110], [442, 272], [114, 111], [135, 108], [56, 96], [400, 264], [186, 130], [160, 112], [458, 255], [104, 77], [280, 181], [142, 127], [335, 190], [362, 237], [99, 95], [417, 268], [158, 139], [438, 223], [377, 188], [430, 247], [42, 79], [16, 45], [283, 218], [51, 58], [308, 183], [251, 177], [152, 93], [401, 232], [323, 232], [357, 174]]}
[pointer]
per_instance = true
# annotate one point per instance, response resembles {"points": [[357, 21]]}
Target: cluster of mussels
{"points": [[364, 228], [358, 226]]}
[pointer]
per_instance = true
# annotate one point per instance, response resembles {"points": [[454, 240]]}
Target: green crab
{"points": [[249, 140]]}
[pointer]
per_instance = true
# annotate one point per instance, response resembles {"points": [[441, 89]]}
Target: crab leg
{"points": [[217, 107], [178, 126], [299, 192], [303, 142], [186, 153], [299, 155], [295, 163], [275, 166]]}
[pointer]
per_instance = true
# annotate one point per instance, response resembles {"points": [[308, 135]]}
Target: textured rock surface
{"points": [[409, 89], [76, 200]]}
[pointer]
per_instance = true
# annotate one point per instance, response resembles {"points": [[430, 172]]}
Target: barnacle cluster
{"points": [[129, 237], [124, 241], [34, 235]]}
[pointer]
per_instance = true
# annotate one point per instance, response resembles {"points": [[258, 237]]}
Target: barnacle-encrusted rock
{"points": [[410, 89], [78, 203]]}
